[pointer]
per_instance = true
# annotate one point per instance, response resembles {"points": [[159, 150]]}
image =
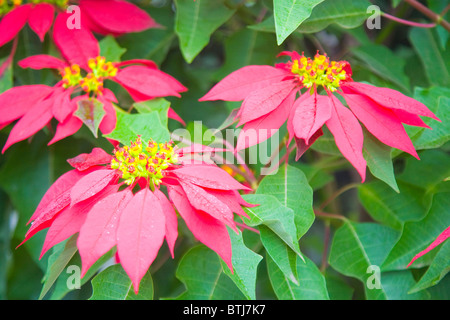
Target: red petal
{"points": [[63, 106], [173, 115], [42, 61], [171, 220], [148, 81], [70, 220], [33, 121], [209, 177], [441, 238], [409, 118], [98, 233], [242, 82], [41, 19], [140, 234], [260, 102], [87, 160], [147, 63], [348, 135], [208, 230], [261, 129], [15, 102], [66, 128], [117, 16], [231, 199], [302, 146], [390, 98], [55, 199], [381, 122], [200, 199], [310, 115], [91, 184], [76, 45], [13, 22]]}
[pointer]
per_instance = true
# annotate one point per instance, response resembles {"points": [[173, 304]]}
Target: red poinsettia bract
{"points": [[101, 16], [269, 96], [98, 200], [83, 72]]}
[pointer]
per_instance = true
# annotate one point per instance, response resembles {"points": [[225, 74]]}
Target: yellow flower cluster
{"points": [[319, 71], [135, 162], [93, 81]]}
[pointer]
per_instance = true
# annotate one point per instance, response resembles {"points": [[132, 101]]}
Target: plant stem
{"points": [[337, 193], [407, 22], [438, 19]]}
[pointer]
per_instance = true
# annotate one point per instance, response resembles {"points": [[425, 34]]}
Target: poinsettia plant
{"points": [[224, 149]]}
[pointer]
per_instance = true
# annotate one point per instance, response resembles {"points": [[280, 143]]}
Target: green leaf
{"points": [[57, 262], [312, 285], [253, 47], [391, 208], [196, 21], [91, 112], [280, 252], [434, 60], [437, 270], [436, 99], [148, 125], [379, 160], [6, 77], [428, 172], [160, 105], [385, 63], [154, 43], [275, 216], [110, 49], [417, 235], [202, 274], [290, 186], [289, 14], [25, 174], [358, 246], [345, 13], [114, 284], [245, 264]]}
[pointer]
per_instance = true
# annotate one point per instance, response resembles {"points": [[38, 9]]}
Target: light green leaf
{"points": [[110, 49], [6, 77], [196, 21], [280, 252], [91, 112], [290, 186], [345, 13], [114, 284], [148, 125], [245, 264], [379, 160], [312, 285], [275, 216], [202, 274], [356, 247], [289, 14], [160, 105]]}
